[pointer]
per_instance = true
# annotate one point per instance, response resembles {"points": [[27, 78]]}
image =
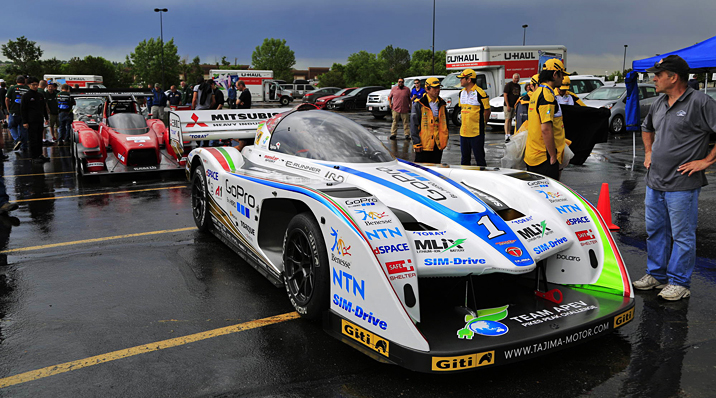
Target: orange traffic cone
{"points": [[604, 207]]}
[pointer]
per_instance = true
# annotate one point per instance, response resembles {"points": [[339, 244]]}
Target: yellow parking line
{"points": [[39, 174], [80, 242], [142, 349], [98, 193]]}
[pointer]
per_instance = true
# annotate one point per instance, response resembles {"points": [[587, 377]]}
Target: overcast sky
{"points": [[321, 32]]}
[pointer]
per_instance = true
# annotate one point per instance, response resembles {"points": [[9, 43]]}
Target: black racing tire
{"points": [[200, 199], [284, 101], [456, 116], [305, 262], [616, 126]]}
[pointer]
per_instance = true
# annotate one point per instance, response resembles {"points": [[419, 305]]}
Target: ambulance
{"points": [[494, 66], [261, 84], [83, 81]]}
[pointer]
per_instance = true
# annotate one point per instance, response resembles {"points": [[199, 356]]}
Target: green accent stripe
{"points": [[228, 158], [611, 278]]}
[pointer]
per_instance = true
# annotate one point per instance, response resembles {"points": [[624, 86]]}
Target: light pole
{"points": [[161, 32], [433, 37], [624, 62], [524, 33]]}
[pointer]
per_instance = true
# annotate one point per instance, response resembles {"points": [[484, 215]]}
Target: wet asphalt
{"points": [[90, 300]]}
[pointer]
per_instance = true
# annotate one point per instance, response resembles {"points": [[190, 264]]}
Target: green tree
{"points": [[421, 64], [224, 62], [91, 65], [274, 55], [195, 72], [395, 63], [363, 69], [332, 78], [25, 55], [145, 62]]}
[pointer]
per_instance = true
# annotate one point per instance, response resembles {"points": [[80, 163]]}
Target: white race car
{"points": [[433, 268]]}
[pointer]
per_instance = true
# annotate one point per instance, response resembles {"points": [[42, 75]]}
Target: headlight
{"points": [[339, 102], [448, 102], [609, 106], [383, 98]]}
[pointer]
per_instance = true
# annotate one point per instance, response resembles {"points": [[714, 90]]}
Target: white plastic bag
{"points": [[566, 157], [515, 151]]}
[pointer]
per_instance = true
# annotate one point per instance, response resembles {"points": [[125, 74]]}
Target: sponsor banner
{"points": [[366, 338], [222, 121], [559, 311], [463, 362], [623, 318]]}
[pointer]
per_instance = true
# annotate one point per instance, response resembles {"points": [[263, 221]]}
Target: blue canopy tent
{"points": [[701, 57]]}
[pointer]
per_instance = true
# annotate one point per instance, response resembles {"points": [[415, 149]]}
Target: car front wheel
{"points": [[284, 101], [457, 116], [305, 264], [200, 199], [616, 126]]}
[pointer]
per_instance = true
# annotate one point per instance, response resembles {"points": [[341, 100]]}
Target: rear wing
{"points": [[216, 124]]}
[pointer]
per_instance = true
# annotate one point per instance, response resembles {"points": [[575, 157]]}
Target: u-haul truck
{"points": [[83, 81], [260, 83], [494, 66]]}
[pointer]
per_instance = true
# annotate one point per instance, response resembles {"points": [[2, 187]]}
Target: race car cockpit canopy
{"points": [[322, 135], [128, 123]]}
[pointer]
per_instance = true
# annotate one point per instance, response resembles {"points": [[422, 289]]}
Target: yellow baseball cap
{"points": [[535, 79], [565, 83], [432, 82], [467, 73], [555, 64]]}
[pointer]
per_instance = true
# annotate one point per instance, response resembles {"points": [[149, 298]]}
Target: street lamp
{"points": [[624, 62], [524, 33], [161, 32], [433, 37]]}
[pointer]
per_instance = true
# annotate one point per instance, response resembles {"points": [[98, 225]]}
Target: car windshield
{"points": [[88, 106], [451, 81], [354, 92], [128, 123], [344, 91], [606, 93], [327, 136]]}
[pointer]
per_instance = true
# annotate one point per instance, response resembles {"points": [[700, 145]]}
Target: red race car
{"points": [[321, 102], [135, 141]]}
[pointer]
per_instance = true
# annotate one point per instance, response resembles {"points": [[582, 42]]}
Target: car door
{"points": [[650, 95]]}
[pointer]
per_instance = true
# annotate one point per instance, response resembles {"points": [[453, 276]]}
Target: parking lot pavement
{"points": [[107, 289]]}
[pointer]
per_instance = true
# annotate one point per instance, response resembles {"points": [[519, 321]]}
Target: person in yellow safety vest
{"points": [[475, 110], [428, 124], [523, 104], [545, 131], [566, 97]]}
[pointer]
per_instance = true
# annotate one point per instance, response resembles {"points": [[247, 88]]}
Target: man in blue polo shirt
{"points": [[676, 144], [417, 92]]}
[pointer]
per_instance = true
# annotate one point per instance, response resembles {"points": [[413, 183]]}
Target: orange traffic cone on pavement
{"points": [[604, 207]]}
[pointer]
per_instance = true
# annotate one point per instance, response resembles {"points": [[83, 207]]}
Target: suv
{"points": [[581, 85], [378, 101], [613, 97]]}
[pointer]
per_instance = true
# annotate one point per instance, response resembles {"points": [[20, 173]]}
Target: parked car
{"points": [[322, 101], [357, 99], [613, 97], [378, 101], [581, 85], [311, 96]]}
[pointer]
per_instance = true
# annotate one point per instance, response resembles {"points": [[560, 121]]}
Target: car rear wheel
{"points": [[616, 126], [200, 199], [305, 264]]}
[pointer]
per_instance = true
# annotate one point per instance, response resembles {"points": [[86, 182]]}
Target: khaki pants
{"points": [[406, 123]]}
